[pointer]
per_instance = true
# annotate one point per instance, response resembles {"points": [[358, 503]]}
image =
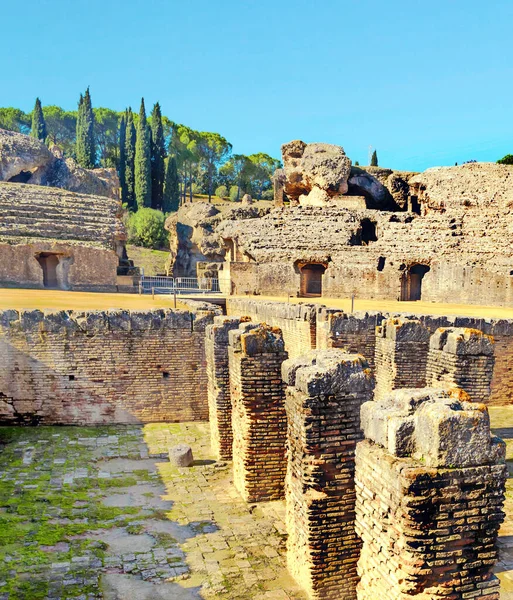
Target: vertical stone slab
{"points": [[401, 355], [430, 482], [326, 389], [256, 354], [464, 358], [219, 401], [278, 185]]}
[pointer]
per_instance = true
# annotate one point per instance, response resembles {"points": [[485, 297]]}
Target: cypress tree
{"points": [[122, 157], [38, 129], [85, 144], [143, 161], [130, 138], [171, 199], [158, 156], [374, 159]]}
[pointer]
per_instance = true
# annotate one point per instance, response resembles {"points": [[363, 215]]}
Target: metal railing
{"points": [[157, 284]]}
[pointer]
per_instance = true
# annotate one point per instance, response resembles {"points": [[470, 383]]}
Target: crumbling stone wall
{"points": [[355, 332], [296, 321], [219, 400], [462, 358], [326, 389], [430, 483], [401, 355], [95, 367], [258, 411]]}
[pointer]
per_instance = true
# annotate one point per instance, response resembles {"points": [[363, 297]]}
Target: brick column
{"points": [[401, 355], [430, 482], [219, 401], [326, 389], [464, 358], [258, 412]]}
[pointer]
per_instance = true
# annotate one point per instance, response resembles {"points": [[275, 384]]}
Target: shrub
{"points": [[221, 191], [507, 160], [146, 228], [233, 193], [268, 194]]}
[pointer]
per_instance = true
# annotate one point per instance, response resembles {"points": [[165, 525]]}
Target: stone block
{"points": [[181, 455]]}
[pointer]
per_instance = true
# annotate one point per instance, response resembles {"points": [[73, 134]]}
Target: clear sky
{"points": [[425, 82]]}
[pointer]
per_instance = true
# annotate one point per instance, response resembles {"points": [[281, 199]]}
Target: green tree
{"points": [[185, 146], [61, 127], [14, 119], [261, 172], [171, 196], [374, 159], [221, 191], [130, 141], [214, 150], [143, 160], [38, 129], [122, 158], [106, 128], [146, 228], [85, 142], [158, 155], [506, 160]]}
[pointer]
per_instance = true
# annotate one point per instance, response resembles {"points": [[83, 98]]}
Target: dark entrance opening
{"points": [[411, 283], [21, 177], [311, 280], [415, 205], [49, 263], [368, 232]]}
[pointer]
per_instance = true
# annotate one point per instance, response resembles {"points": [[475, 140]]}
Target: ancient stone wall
{"points": [[258, 411], [219, 400], [430, 484], [96, 367], [326, 389], [401, 355], [462, 358], [296, 321]]}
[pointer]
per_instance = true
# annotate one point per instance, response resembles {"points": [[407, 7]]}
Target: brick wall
{"points": [[98, 367], [463, 358], [296, 321], [326, 389], [258, 412]]}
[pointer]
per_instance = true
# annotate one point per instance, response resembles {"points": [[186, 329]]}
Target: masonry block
{"points": [[326, 389]]}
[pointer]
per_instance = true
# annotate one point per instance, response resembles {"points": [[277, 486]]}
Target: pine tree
{"points": [[158, 156], [122, 157], [38, 129], [85, 144], [143, 161], [374, 159], [130, 139], [171, 199]]}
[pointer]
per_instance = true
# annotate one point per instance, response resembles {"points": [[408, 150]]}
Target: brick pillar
{"points": [[258, 412], [219, 402], [401, 355], [464, 358], [326, 389], [430, 482]]}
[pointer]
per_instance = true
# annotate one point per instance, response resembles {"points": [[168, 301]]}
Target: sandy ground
{"points": [[425, 308], [56, 299]]}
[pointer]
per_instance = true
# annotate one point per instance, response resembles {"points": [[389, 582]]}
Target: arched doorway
{"points": [[411, 282], [311, 279], [49, 263]]}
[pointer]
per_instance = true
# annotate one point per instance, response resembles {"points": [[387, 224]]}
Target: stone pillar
{"points": [[278, 184], [430, 482], [219, 401], [258, 412], [326, 389], [464, 358], [401, 355]]}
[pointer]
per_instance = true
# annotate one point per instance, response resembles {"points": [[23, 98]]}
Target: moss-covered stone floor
{"points": [[100, 513]]}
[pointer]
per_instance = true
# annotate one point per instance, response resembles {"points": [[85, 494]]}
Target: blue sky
{"points": [[424, 82]]}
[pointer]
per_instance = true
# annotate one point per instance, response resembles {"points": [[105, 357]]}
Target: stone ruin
{"points": [[395, 494]]}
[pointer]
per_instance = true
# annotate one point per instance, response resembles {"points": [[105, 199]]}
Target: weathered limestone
{"points": [[258, 411], [464, 358], [278, 185], [181, 455], [401, 355], [219, 401], [430, 483], [326, 389]]}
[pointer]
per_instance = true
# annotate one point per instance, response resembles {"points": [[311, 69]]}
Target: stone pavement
{"points": [[101, 513]]}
